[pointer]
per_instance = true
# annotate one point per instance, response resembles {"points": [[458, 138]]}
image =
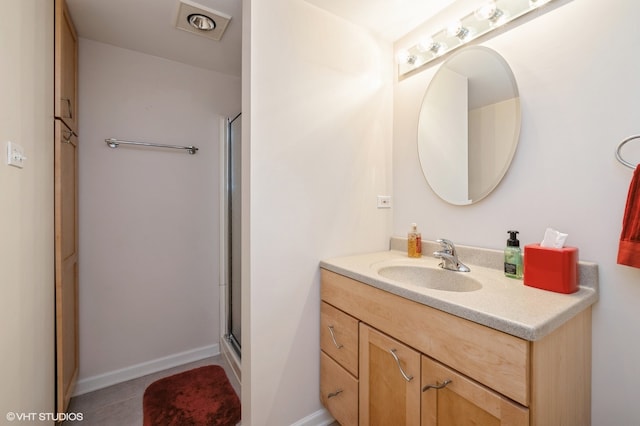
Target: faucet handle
{"points": [[447, 245]]}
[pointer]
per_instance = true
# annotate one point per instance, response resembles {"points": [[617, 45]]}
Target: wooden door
{"points": [[451, 399], [66, 68], [389, 380], [66, 263]]}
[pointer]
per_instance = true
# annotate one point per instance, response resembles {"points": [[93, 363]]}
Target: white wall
{"points": [[148, 217], [318, 118], [579, 85], [26, 209]]}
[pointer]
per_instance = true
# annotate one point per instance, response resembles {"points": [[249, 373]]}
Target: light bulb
{"points": [[538, 3], [404, 57], [455, 29], [424, 44], [428, 45], [487, 11], [201, 22], [490, 12]]}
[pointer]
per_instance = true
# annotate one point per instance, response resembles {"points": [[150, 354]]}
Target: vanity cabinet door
{"points": [[338, 391], [389, 380], [449, 398]]}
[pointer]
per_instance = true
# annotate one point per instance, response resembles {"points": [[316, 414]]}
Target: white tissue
{"points": [[553, 238]]}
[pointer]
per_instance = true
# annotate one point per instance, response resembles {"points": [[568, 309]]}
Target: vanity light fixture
{"points": [[482, 20], [201, 22]]}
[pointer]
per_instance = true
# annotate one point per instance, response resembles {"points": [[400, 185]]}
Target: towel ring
{"points": [[619, 157]]}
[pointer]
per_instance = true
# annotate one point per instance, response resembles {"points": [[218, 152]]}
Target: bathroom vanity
{"points": [[397, 351]]}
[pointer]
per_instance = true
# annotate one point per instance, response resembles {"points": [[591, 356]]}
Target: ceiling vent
{"points": [[201, 20]]}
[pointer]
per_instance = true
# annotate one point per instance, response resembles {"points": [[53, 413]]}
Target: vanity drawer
{"points": [[339, 337], [496, 359], [338, 391]]}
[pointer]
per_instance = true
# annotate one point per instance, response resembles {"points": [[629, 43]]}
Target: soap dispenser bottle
{"points": [[513, 256], [414, 242]]}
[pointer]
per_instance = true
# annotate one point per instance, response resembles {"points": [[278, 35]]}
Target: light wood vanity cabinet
{"points": [[495, 378]]}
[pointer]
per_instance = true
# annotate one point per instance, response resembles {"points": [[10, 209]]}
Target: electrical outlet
{"points": [[15, 155], [384, 201]]}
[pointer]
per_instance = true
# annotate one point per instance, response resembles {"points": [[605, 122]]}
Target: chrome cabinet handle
{"points": [[333, 337], [436, 386], [407, 378], [336, 393]]}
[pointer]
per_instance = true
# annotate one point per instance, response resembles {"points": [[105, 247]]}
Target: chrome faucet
{"points": [[449, 257]]}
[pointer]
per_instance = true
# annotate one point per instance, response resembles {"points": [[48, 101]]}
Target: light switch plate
{"points": [[15, 155]]}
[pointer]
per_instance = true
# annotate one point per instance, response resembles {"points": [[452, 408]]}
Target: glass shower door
{"points": [[234, 232]]}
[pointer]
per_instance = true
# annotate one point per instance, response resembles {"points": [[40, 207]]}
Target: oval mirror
{"points": [[469, 125]]}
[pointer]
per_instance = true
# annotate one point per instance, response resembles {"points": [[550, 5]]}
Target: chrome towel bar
{"points": [[114, 143], [619, 156]]}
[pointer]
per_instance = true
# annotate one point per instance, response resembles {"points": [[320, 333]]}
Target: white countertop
{"points": [[502, 303]]}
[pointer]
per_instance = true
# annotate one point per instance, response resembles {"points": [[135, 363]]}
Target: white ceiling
{"points": [[148, 26]]}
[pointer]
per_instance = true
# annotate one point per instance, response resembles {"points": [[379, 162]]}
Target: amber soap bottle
{"points": [[414, 243]]}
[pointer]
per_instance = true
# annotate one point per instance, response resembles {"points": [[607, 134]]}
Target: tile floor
{"points": [[121, 404]]}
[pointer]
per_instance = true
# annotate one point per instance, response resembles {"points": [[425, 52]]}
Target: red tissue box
{"points": [[551, 268]]}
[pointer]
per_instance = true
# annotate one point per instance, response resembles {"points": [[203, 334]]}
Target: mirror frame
{"points": [[429, 136]]}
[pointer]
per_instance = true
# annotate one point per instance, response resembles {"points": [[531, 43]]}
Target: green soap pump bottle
{"points": [[513, 256]]}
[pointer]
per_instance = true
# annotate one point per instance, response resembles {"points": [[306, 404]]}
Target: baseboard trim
{"points": [[318, 418], [104, 380]]}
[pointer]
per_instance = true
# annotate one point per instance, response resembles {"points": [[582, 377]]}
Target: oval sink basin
{"points": [[433, 278]]}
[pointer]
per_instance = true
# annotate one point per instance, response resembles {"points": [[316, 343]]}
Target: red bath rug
{"points": [[199, 397]]}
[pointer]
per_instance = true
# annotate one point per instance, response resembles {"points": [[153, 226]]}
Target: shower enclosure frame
{"points": [[229, 344]]}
